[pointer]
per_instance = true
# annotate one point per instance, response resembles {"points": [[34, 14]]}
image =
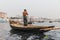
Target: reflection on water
{"points": [[6, 33], [28, 35]]}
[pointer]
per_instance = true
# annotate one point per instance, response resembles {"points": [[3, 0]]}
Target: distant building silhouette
{"points": [[3, 15]]}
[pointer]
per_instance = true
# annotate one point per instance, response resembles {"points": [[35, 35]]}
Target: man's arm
{"points": [[27, 13]]}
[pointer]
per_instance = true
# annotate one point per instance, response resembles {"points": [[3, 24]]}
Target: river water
{"points": [[6, 33]]}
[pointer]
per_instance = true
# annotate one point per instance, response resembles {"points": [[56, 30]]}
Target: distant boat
{"points": [[50, 21], [40, 21], [15, 17]]}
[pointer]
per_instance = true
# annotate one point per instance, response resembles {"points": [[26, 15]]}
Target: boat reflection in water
{"points": [[28, 35]]}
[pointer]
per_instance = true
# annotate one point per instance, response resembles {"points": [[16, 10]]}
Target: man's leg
{"points": [[25, 21]]}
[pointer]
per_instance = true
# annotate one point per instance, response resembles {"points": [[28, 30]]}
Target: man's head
{"points": [[24, 9]]}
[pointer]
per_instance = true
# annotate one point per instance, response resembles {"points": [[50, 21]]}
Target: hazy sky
{"points": [[39, 8]]}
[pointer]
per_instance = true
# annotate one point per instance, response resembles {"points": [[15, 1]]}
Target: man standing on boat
{"points": [[25, 17]]}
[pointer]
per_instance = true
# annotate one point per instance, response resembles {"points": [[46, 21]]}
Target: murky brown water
{"points": [[6, 33]]}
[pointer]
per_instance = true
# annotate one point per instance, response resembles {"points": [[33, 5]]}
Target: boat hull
{"points": [[29, 29], [16, 25], [20, 28]]}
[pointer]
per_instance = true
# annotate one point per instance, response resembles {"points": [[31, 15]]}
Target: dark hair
{"points": [[24, 9]]}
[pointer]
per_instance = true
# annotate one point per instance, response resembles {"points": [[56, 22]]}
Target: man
{"points": [[25, 17]]}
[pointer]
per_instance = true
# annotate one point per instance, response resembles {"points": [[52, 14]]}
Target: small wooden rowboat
{"points": [[29, 27], [17, 25]]}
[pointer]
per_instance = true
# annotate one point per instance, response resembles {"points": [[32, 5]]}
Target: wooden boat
{"points": [[20, 26]]}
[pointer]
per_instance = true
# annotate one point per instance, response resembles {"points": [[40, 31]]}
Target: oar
{"points": [[50, 29]]}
